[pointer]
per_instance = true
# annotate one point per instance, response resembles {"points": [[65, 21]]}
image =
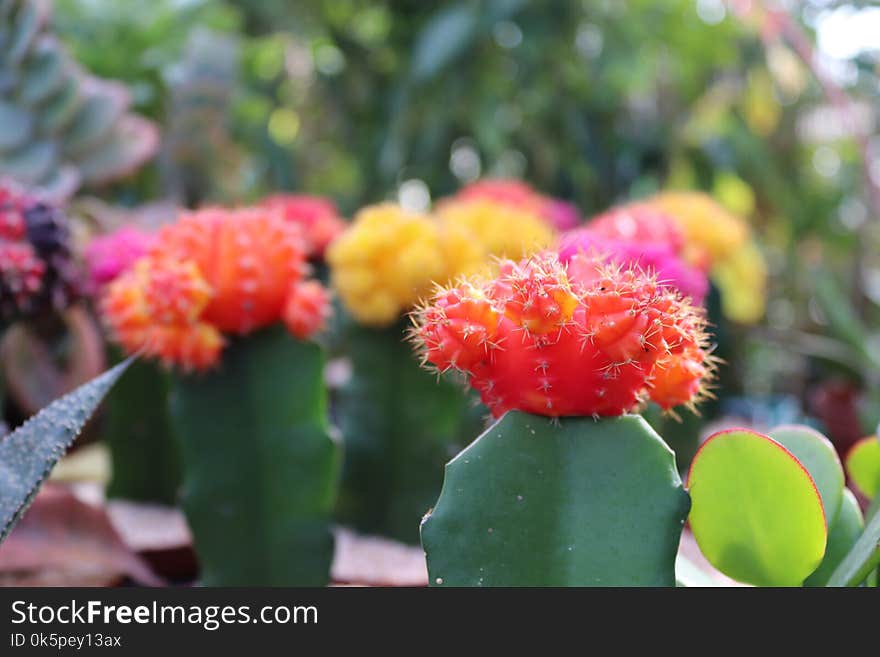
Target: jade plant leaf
{"points": [[862, 559], [757, 515], [818, 456], [571, 502], [841, 538], [863, 465], [28, 454]]}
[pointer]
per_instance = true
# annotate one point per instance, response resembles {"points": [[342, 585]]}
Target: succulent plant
{"points": [[640, 234], [28, 454], [562, 490], [246, 397], [519, 195], [585, 339], [214, 271], [60, 127], [318, 217], [37, 273]]}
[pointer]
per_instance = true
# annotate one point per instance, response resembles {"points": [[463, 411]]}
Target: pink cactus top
{"points": [[660, 259], [109, 255]]}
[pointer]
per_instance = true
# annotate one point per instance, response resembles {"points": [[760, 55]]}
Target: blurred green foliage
{"points": [[592, 100]]}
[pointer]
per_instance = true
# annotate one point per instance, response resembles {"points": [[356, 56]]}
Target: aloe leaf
{"points": [[28, 454]]}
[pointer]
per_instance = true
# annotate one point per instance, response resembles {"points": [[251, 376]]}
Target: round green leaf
{"points": [[863, 465], [818, 456], [844, 533], [756, 513]]}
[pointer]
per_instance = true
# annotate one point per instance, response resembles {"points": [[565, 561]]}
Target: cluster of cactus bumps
{"points": [[36, 268], [586, 338]]}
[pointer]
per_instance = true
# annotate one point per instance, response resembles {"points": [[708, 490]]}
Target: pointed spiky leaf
{"points": [[28, 454]]}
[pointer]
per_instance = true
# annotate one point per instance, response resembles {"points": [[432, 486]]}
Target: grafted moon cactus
{"points": [[500, 229], [568, 500], [317, 216], [518, 194], [214, 271], [386, 260], [249, 408], [587, 339], [721, 243], [37, 273], [389, 259], [108, 256]]}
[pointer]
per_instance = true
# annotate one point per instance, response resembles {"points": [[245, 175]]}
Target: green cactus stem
{"points": [[400, 425], [569, 502], [143, 449], [259, 465]]}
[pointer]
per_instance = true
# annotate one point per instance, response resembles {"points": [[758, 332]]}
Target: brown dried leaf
{"points": [[62, 541]]}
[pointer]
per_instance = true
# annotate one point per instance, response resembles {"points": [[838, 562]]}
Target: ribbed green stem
{"points": [[570, 502], [400, 425], [260, 469], [143, 449]]}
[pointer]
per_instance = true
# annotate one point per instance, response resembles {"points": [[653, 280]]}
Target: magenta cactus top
{"points": [[109, 255], [659, 258]]}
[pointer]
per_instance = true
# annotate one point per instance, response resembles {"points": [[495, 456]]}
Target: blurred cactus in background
{"points": [[37, 272], [61, 128], [722, 243], [317, 216], [246, 398], [201, 161]]}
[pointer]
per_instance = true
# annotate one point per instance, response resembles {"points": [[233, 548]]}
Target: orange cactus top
{"points": [[214, 271]]}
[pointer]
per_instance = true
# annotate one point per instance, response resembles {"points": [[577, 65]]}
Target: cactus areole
{"points": [[583, 339]]}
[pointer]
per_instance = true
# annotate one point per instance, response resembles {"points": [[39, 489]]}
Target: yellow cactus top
{"points": [[388, 258], [385, 261], [501, 229], [742, 279], [721, 242], [706, 224]]}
